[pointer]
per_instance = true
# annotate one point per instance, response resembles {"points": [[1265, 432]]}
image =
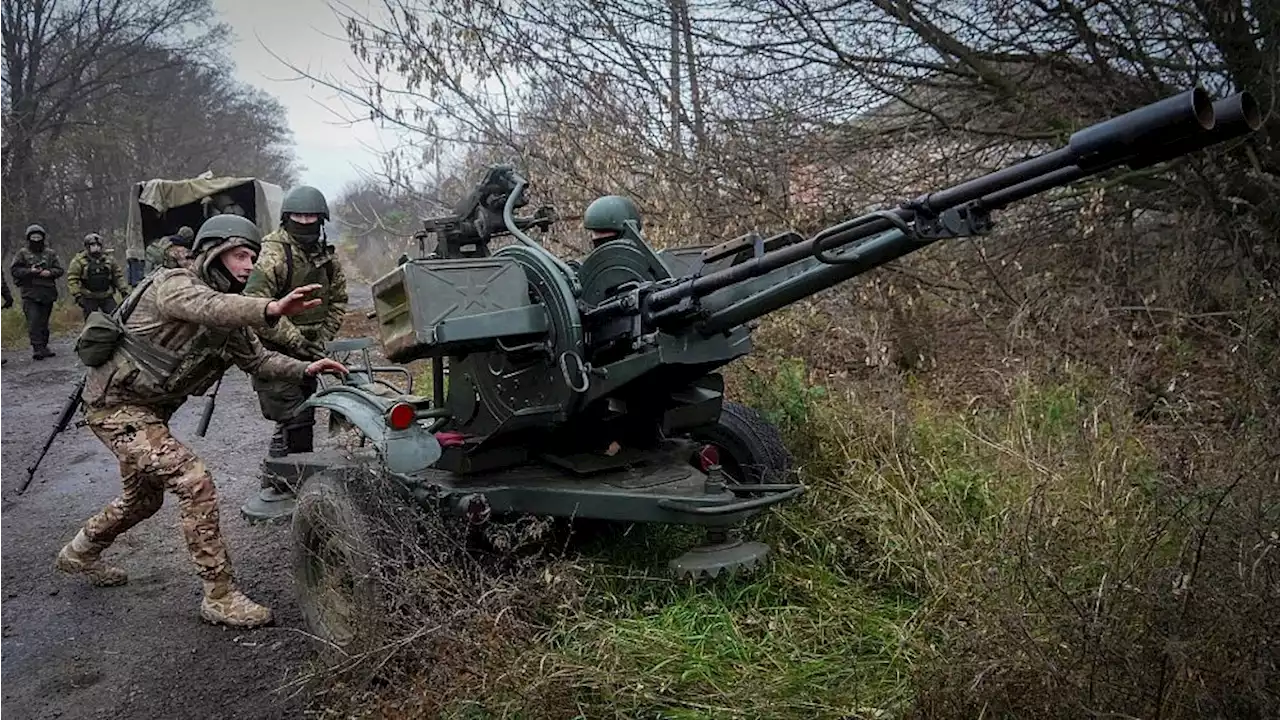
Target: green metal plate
{"points": [[528, 387]]}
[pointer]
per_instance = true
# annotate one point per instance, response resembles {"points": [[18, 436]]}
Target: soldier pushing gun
{"points": [[176, 335]]}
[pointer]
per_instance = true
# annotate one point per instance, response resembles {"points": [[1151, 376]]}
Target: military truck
{"points": [[159, 207]]}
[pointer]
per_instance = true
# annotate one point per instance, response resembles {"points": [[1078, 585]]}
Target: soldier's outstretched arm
{"points": [[181, 297], [248, 354]]}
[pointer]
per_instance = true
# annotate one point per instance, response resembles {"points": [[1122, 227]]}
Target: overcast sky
{"points": [[309, 35]]}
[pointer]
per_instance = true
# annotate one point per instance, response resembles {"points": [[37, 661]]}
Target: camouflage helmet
{"points": [[220, 228], [33, 229], [305, 200], [609, 213], [92, 238]]}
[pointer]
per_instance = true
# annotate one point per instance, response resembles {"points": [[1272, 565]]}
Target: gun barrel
{"points": [[1163, 129], [1234, 116], [1186, 114]]}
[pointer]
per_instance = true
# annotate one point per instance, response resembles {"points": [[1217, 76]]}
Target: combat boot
{"points": [[278, 446], [226, 605], [81, 556]]}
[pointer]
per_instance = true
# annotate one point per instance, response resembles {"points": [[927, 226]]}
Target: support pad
{"points": [[730, 555], [283, 476]]}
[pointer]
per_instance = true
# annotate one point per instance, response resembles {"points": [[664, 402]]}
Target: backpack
{"points": [[103, 333]]}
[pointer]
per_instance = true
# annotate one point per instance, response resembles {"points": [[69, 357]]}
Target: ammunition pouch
{"points": [[103, 334], [98, 339]]}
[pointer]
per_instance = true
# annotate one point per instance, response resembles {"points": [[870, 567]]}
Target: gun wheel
{"points": [[750, 448], [334, 563]]}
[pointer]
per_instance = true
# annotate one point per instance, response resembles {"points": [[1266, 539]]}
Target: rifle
{"points": [[68, 410], [209, 402]]}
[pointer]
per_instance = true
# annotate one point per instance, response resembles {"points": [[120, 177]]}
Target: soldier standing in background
{"points": [[186, 329], [94, 277], [35, 271], [293, 256]]}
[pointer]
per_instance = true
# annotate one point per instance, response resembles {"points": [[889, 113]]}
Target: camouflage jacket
{"points": [[284, 265], [26, 269], [95, 277], [203, 330]]}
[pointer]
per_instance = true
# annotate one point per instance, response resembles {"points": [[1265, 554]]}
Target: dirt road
{"points": [[74, 651]]}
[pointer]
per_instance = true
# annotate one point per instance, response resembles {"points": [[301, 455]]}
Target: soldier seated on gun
{"points": [[94, 277], [183, 330], [606, 218]]}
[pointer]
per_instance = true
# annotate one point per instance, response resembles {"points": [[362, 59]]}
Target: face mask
{"points": [[36, 243], [307, 233]]}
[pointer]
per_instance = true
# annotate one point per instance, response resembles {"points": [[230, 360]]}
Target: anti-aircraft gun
{"points": [[590, 389]]}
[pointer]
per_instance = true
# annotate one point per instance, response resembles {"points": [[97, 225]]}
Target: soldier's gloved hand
{"points": [[327, 365]]}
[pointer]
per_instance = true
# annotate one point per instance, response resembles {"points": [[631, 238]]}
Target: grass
{"points": [[66, 318], [1028, 546]]}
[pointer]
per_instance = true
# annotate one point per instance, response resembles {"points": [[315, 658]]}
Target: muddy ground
{"points": [[74, 651]]}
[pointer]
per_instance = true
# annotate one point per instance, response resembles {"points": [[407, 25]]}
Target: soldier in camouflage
{"points": [[170, 251], [295, 255], [94, 277], [35, 271], [189, 325]]}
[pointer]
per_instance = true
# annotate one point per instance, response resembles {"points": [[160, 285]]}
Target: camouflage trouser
{"points": [[151, 461]]}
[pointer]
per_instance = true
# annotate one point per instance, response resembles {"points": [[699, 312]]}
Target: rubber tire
{"points": [[751, 448], [329, 517]]}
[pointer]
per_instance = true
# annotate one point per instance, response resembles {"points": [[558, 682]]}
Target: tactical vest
{"points": [[301, 271], [164, 370], [97, 274]]}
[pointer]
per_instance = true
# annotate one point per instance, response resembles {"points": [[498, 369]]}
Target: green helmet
{"points": [[92, 238], [609, 213], [32, 229], [219, 228], [305, 200]]}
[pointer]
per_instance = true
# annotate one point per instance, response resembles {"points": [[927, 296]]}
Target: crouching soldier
{"points": [[94, 277], [181, 329]]}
